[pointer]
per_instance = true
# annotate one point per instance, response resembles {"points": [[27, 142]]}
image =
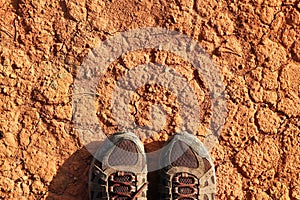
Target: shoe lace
{"points": [[123, 186], [185, 186]]}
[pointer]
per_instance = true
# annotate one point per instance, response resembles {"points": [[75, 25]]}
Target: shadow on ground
{"points": [[152, 162], [71, 181]]}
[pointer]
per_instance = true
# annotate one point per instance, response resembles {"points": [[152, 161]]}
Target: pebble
{"points": [[25, 178], [13, 76], [4, 90], [10, 140]]}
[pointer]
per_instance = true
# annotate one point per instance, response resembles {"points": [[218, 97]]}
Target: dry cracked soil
{"points": [[255, 44]]}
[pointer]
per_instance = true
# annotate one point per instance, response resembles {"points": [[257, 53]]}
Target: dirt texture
{"points": [[255, 45]]}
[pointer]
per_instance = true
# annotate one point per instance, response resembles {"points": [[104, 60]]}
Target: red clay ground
{"points": [[255, 44]]}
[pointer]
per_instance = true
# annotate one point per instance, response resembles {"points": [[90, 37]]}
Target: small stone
{"points": [[37, 186], [4, 90], [156, 136], [57, 46], [10, 140], [25, 178], [165, 137], [256, 181], [13, 76]]}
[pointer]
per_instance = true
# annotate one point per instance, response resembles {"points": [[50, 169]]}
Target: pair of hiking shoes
{"points": [[119, 170]]}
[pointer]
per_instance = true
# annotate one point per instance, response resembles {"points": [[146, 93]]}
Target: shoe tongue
{"points": [[183, 156]]}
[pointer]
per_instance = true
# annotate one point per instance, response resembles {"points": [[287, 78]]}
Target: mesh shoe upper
{"points": [[182, 155], [120, 155]]}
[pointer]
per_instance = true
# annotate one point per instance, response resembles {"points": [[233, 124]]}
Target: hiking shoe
{"points": [[187, 171], [119, 171]]}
